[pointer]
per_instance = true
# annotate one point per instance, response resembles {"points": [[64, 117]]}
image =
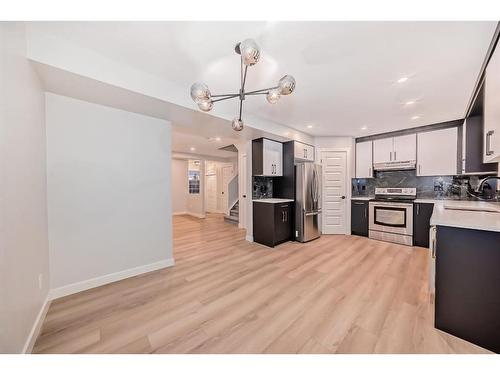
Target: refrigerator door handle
{"points": [[313, 213]]}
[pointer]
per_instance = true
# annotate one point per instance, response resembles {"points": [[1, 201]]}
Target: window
{"points": [[194, 177]]}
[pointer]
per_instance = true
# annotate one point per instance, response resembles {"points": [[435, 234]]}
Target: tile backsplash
{"points": [[437, 187], [262, 187]]}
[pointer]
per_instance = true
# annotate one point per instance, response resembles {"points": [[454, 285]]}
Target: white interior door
{"points": [[211, 193], [334, 192], [243, 191]]}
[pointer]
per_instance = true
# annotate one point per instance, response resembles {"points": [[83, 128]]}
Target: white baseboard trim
{"points": [[180, 213], [37, 326], [199, 216], [249, 238], [106, 279]]}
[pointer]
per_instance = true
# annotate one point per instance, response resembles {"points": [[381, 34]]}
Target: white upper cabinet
{"points": [[382, 150], [437, 152], [405, 148], [272, 158], [392, 149], [491, 140], [364, 162], [303, 151]]}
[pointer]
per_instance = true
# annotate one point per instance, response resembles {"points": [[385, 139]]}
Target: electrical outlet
{"points": [[40, 281]]}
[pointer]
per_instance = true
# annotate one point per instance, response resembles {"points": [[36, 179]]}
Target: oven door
{"points": [[391, 217]]}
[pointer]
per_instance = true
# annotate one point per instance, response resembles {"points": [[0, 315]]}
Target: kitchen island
{"points": [[466, 249]]}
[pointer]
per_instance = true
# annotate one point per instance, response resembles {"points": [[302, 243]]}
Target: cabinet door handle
{"points": [[395, 158], [419, 169], [433, 242], [286, 216], [365, 212], [418, 209], [390, 155], [283, 216], [370, 172], [488, 142]]}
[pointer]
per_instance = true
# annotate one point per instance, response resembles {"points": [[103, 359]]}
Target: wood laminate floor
{"points": [[338, 294]]}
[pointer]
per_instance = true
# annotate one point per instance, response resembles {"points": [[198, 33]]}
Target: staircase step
{"points": [[231, 219]]}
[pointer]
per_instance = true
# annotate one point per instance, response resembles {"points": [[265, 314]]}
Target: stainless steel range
{"points": [[391, 215]]}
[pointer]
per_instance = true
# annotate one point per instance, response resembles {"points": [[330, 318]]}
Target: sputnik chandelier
{"points": [[250, 54]]}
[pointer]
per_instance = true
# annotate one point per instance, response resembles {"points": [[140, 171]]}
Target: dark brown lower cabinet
{"points": [[359, 217], [468, 285], [422, 213], [272, 223]]}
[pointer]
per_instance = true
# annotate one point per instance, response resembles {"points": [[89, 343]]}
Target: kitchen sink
{"points": [[478, 208]]}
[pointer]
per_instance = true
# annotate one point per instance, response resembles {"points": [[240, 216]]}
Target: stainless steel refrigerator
{"points": [[308, 177]]}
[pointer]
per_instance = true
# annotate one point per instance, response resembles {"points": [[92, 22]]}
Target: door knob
{"points": [[343, 196]]}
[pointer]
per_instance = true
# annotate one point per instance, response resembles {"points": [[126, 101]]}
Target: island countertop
{"points": [[467, 214]]}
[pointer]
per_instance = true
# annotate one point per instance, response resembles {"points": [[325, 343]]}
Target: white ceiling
{"points": [[346, 72], [187, 143]]}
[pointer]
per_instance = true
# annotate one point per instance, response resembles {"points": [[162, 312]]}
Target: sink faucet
{"points": [[479, 190]]}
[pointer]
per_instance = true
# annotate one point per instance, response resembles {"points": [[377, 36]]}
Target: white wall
{"points": [[109, 193], [179, 186], [23, 210]]}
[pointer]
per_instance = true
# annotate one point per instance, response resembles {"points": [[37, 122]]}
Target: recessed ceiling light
{"points": [[410, 102], [287, 133], [364, 127], [192, 149], [415, 117], [217, 139], [402, 79], [309, 126]]}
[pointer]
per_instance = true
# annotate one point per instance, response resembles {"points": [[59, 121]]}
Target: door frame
{"points": [[348, 188]]}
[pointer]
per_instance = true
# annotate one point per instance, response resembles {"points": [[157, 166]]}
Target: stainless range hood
{"points": [[395, 165]]}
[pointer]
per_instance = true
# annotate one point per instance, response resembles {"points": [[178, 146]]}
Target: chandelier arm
{"points": [[258, 91], [221, 95], [241, 108], [227, 97], [244, 79]]}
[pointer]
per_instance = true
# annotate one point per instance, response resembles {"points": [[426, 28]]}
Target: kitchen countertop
{"points": [[463, 218], [362, 198], [273, 200]]}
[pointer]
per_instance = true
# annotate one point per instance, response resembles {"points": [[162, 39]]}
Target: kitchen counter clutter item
{"points": [[273, 200], [467, 214]]}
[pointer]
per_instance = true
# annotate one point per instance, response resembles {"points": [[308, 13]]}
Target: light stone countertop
{"points": [[273, 200], [361, 198], [465, 214]]}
